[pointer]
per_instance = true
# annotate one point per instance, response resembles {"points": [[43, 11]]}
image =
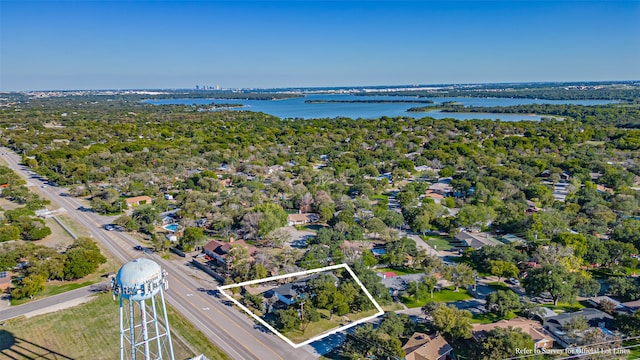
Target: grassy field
{"points": [[88, 331], [562, 307], [489, 318], [403, 271], [444, 296], [437, 242]]}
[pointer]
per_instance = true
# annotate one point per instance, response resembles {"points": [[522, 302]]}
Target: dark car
{"points": [[138, 247]]}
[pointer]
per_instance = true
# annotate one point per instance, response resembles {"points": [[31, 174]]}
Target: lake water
{"points": [[297, 108]]}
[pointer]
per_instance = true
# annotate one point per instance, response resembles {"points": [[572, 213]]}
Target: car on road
{"points": [[138, 247], [513, 281], [109, 227]]}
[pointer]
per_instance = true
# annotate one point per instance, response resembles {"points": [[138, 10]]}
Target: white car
{"points": [[513, 281]]}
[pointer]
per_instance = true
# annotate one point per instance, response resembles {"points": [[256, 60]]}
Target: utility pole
{"points": [[302, 310]]}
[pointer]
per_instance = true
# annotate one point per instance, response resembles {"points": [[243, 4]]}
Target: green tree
{"points": [[430, 282], [502, 302], [258, 271], [273, 217], [577, 242], [83, 257], [418, 290], [502, 343], [623, 287], [461, 275], [287, 319], [191, 237], [503, 269], [552, 279], [29, 286], [629, 232], [448, 320], [368, 259]]}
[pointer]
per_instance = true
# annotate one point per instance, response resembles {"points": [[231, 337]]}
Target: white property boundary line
{"points": [[302, 273]]}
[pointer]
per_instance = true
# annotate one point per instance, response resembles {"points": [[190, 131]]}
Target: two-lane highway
{"points": [[224, 325]]}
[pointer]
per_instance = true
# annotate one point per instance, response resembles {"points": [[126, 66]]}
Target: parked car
{"points": [[513, 281]]}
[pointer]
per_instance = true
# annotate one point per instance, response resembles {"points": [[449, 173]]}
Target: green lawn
{"points": [[403, 271], [90, 331], [392, 307], [563, 307], [489, 318], [437, 242], [444, 296]]}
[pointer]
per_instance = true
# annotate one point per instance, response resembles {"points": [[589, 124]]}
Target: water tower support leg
{"points": [[145, 334]]}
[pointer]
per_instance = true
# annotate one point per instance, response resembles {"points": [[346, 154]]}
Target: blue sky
{"points": [[178, 44]]}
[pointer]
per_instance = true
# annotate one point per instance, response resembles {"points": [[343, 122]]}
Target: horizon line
{"points": [[341, 87]]}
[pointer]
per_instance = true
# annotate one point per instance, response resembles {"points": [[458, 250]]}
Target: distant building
{"points": [[477, 240], [293, 291], [301, 219], [219, 250], [5, 280], [513, 239], [138, 200], [387, 275], [427, 347]]}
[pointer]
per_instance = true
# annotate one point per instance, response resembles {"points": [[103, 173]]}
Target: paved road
{"points": [[224, 325], [38, 305]]}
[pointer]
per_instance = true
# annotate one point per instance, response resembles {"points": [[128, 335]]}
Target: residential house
{"points": [[432, 194], [476, 240], [556, 325], [595, 301], [632, 306], [541, 338], [5, 280], [138, 200], [275, 168], [531, 207], [219, 250], [301, 219], [603, 189], [442, 187], [291, 292], [427, 347], [513, 239], [387, 275]]}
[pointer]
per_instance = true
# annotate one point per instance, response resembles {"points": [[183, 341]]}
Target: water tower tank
{"points": [[140, 279]]}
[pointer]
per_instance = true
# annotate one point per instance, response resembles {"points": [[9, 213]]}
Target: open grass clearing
{"points": [[564, 307], [437, 242], [86, 331], [394, 306], [444, 296], [399, 271], [490, 318]]}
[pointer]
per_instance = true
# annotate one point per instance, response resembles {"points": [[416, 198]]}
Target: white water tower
{"points": [[144, 327]]}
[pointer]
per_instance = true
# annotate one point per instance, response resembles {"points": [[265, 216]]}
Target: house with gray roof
{"points": [[476, 240]]}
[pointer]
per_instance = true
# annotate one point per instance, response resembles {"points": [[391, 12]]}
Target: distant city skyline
{"points": [[73, 45]]}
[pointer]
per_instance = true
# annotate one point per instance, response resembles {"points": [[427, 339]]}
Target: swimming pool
{"points": [[171, 227]]}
